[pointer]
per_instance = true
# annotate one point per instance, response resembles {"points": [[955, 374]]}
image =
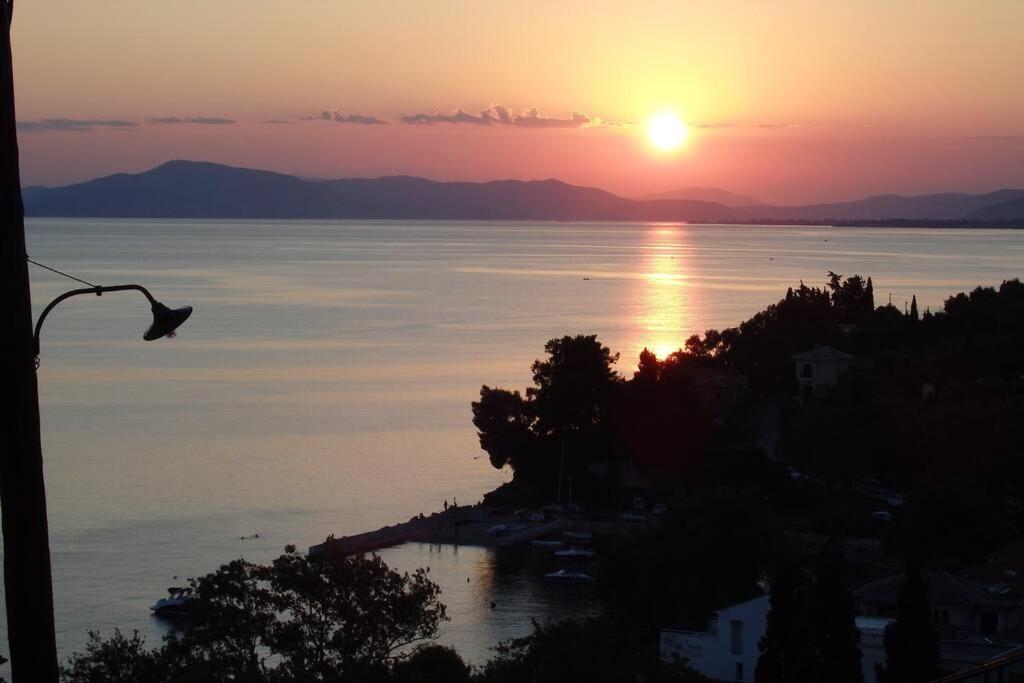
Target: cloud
{"points": [[338, 117], [277, 121], [203, 120], [75, 125], [500, 115]]}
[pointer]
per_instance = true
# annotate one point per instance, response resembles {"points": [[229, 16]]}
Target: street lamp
{"points": [[28, 581], [165, 320]]}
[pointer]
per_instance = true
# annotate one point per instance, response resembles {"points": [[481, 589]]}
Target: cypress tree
{"points": [[911, 643], [833, 636], [784, 643], [913, 308]]}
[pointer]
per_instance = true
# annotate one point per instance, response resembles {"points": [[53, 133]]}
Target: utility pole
{"points": [[27, 582]]}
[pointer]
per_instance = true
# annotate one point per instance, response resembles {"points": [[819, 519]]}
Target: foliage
{"points": [[596, 650], [118, 659], [784, 653], [911, 643], [811, 634], [689, 567], [831, 617], [432, 664], [504, 423], [572, 389], [293, 620]]}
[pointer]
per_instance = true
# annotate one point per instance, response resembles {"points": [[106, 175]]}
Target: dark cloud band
{"points": [[202, 120], [44, 125]]}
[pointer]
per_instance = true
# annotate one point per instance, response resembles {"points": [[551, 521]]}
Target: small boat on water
{"points": [[576, 535], [176, 604], [565, 576], [547, 544], [575, 553]]}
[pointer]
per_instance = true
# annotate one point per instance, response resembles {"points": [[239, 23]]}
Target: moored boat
{"points": [[566, 576], [176, 604]]}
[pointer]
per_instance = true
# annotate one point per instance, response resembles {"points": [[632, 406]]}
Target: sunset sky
{"points": [[788, 102]]}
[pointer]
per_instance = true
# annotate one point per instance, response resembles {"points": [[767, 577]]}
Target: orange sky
{"points": [[788, 101]]}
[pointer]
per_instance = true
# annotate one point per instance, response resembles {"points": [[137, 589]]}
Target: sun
{"points": [[666, 131]]}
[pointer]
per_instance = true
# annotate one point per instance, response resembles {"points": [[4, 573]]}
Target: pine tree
{"points": [[834, 639], [784, 643], [913, 308], [911, 643]]}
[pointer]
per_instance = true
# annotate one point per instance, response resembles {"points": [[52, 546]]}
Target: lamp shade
{"points": [[166, 320]]}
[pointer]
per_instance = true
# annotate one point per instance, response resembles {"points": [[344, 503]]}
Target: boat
{"points": [[547, 544], [566, 576], [176, 604], [575, 553], [633, 517], [576, 535]]}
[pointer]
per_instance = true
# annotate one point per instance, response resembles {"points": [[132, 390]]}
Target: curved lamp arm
{"points": [[165, 320]]}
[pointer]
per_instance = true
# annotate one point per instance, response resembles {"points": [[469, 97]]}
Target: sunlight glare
{"points": [[666, 131]]}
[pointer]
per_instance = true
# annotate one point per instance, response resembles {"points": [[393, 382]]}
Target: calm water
{"points": [[323, 383]]}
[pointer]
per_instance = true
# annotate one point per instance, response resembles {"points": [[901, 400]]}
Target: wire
{"points": [[70, 277]]}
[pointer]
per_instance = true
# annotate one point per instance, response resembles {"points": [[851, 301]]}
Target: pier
{"points": [[468, 525]]}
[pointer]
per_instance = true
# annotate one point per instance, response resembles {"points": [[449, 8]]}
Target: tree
{"points": [[293, 620], [597, 650], [504, 422], [914, 315], [784, 645], [911, 643], [834, 638], [432, 664], [347, 619], [573, 388], [119, 659]]}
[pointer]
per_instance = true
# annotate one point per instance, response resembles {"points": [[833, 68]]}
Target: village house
{"points": [[819, 370]]}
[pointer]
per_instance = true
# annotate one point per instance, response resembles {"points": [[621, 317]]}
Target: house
{"points": [[819, 370], [962, 607], [727, 650], [721, 389], [954, 655]]}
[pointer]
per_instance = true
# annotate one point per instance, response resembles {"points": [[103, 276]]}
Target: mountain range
{"points": [[192, 189]]}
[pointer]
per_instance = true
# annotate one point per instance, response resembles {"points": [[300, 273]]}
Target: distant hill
{"points": [[706, 194], [1012, 210], [189, 189], [193, 189], [949, 206]]}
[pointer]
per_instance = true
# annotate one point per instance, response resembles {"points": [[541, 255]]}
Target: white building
{"points": [[820, 369], [727, 651]]}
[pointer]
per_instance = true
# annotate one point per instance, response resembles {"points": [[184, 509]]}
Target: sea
{"points": [[323, 383]]}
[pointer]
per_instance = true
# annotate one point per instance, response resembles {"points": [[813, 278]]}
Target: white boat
{"points": [[566, 576], [176, 604], [576, 535], [575, 553], [633, 517], [547, 544]]}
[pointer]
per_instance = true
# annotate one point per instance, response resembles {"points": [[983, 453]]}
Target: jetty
{"points": [[470, 525]]}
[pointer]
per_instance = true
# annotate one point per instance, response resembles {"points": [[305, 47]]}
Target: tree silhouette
{"points": [[911, 643], [784, 645], [573, 388], [833, 636]]}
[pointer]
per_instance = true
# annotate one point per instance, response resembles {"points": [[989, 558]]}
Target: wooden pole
{"points": [[28, 586]]}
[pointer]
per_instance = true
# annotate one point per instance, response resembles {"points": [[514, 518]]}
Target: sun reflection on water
{"points": [[665, 297]]}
